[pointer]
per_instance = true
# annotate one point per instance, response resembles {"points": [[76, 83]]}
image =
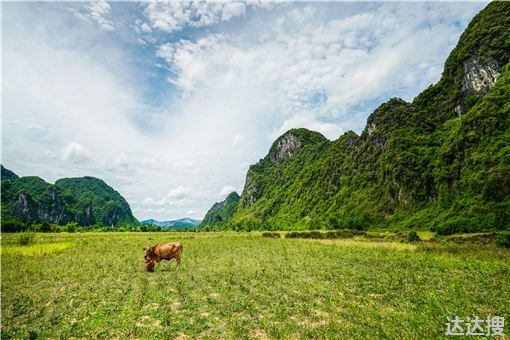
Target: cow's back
{"points": [[168, 251]]}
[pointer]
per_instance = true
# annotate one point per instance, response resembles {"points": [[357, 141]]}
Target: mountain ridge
{"points": [[181, 223], [84, 200], [415, 165], [221, 211]]}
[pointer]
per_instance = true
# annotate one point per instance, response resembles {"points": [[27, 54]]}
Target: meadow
{"points": [[233, 285]]}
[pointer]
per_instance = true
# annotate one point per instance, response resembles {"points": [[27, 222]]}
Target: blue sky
{"points": [[170, 102]]}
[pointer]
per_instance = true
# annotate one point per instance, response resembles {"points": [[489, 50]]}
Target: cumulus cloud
{"points": [[75, 153], [176, 15], [98, 12], [317, 73], [189, 59], [152, 201], [180, 192]]}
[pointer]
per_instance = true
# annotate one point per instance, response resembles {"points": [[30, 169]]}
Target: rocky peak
{"points": [[381, 122], [285, 147], [291, 141]]}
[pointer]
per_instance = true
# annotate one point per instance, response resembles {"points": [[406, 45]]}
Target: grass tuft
{"points": [[26, 238]]}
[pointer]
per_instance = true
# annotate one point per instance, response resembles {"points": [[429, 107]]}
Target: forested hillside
{"points": [[221, 212], [86, 201], [440, 162]]}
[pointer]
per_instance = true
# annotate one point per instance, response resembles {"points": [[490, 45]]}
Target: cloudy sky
{"points": [[170, 103]]}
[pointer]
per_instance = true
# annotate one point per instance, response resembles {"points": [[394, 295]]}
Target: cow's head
{"points": [[149, 252]]}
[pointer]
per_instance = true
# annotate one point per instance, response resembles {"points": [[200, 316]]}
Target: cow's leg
{"points": [[178, 260]]}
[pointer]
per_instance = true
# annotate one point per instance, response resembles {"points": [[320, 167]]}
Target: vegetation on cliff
{"points": [[84, 201], [440, 162]]}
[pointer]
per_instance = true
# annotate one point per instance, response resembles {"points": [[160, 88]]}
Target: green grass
{"points": [[243, 285], [36, 249], [426, 235]]}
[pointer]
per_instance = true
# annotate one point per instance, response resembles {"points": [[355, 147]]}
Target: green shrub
{"points": [[344, 233], [70, 227], [503, 239], [271, 235], [413, 236], [12, 225], [26, 238]]}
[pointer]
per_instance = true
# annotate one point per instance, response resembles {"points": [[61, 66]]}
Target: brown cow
{"points": [[165, 251]]}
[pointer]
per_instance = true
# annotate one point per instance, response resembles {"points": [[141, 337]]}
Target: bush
{"points": [[70, 227], [454, 225], [413, 236], [11, 226], [348, 221], [26, 238], [41, 227], [503, 239], [150, 227], [345, 233], [271, 235]]}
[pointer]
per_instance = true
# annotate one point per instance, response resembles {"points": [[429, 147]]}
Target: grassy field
{"points": [[242, 285]]}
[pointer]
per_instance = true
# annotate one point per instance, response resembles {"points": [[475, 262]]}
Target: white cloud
{"points": [[98, 12], [238, 138], [188, 59], [122, 160], [151, 201], [180, 192], [313, 74], [226, 190], [176, 15], [75, 153], [149, 162]]}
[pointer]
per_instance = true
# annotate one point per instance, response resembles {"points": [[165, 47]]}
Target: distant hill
{"points": [[222, 211], [183, 223], [441, 161], [85, 200]]}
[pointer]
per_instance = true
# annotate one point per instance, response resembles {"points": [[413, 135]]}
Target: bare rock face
{"points": [[479, 78], [87, 211], [52, 210], [24, 204], [249, 195], [285, 147], [371, 129]]}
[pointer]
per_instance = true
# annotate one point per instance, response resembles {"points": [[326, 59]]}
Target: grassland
{"points": [[233, 285]]}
